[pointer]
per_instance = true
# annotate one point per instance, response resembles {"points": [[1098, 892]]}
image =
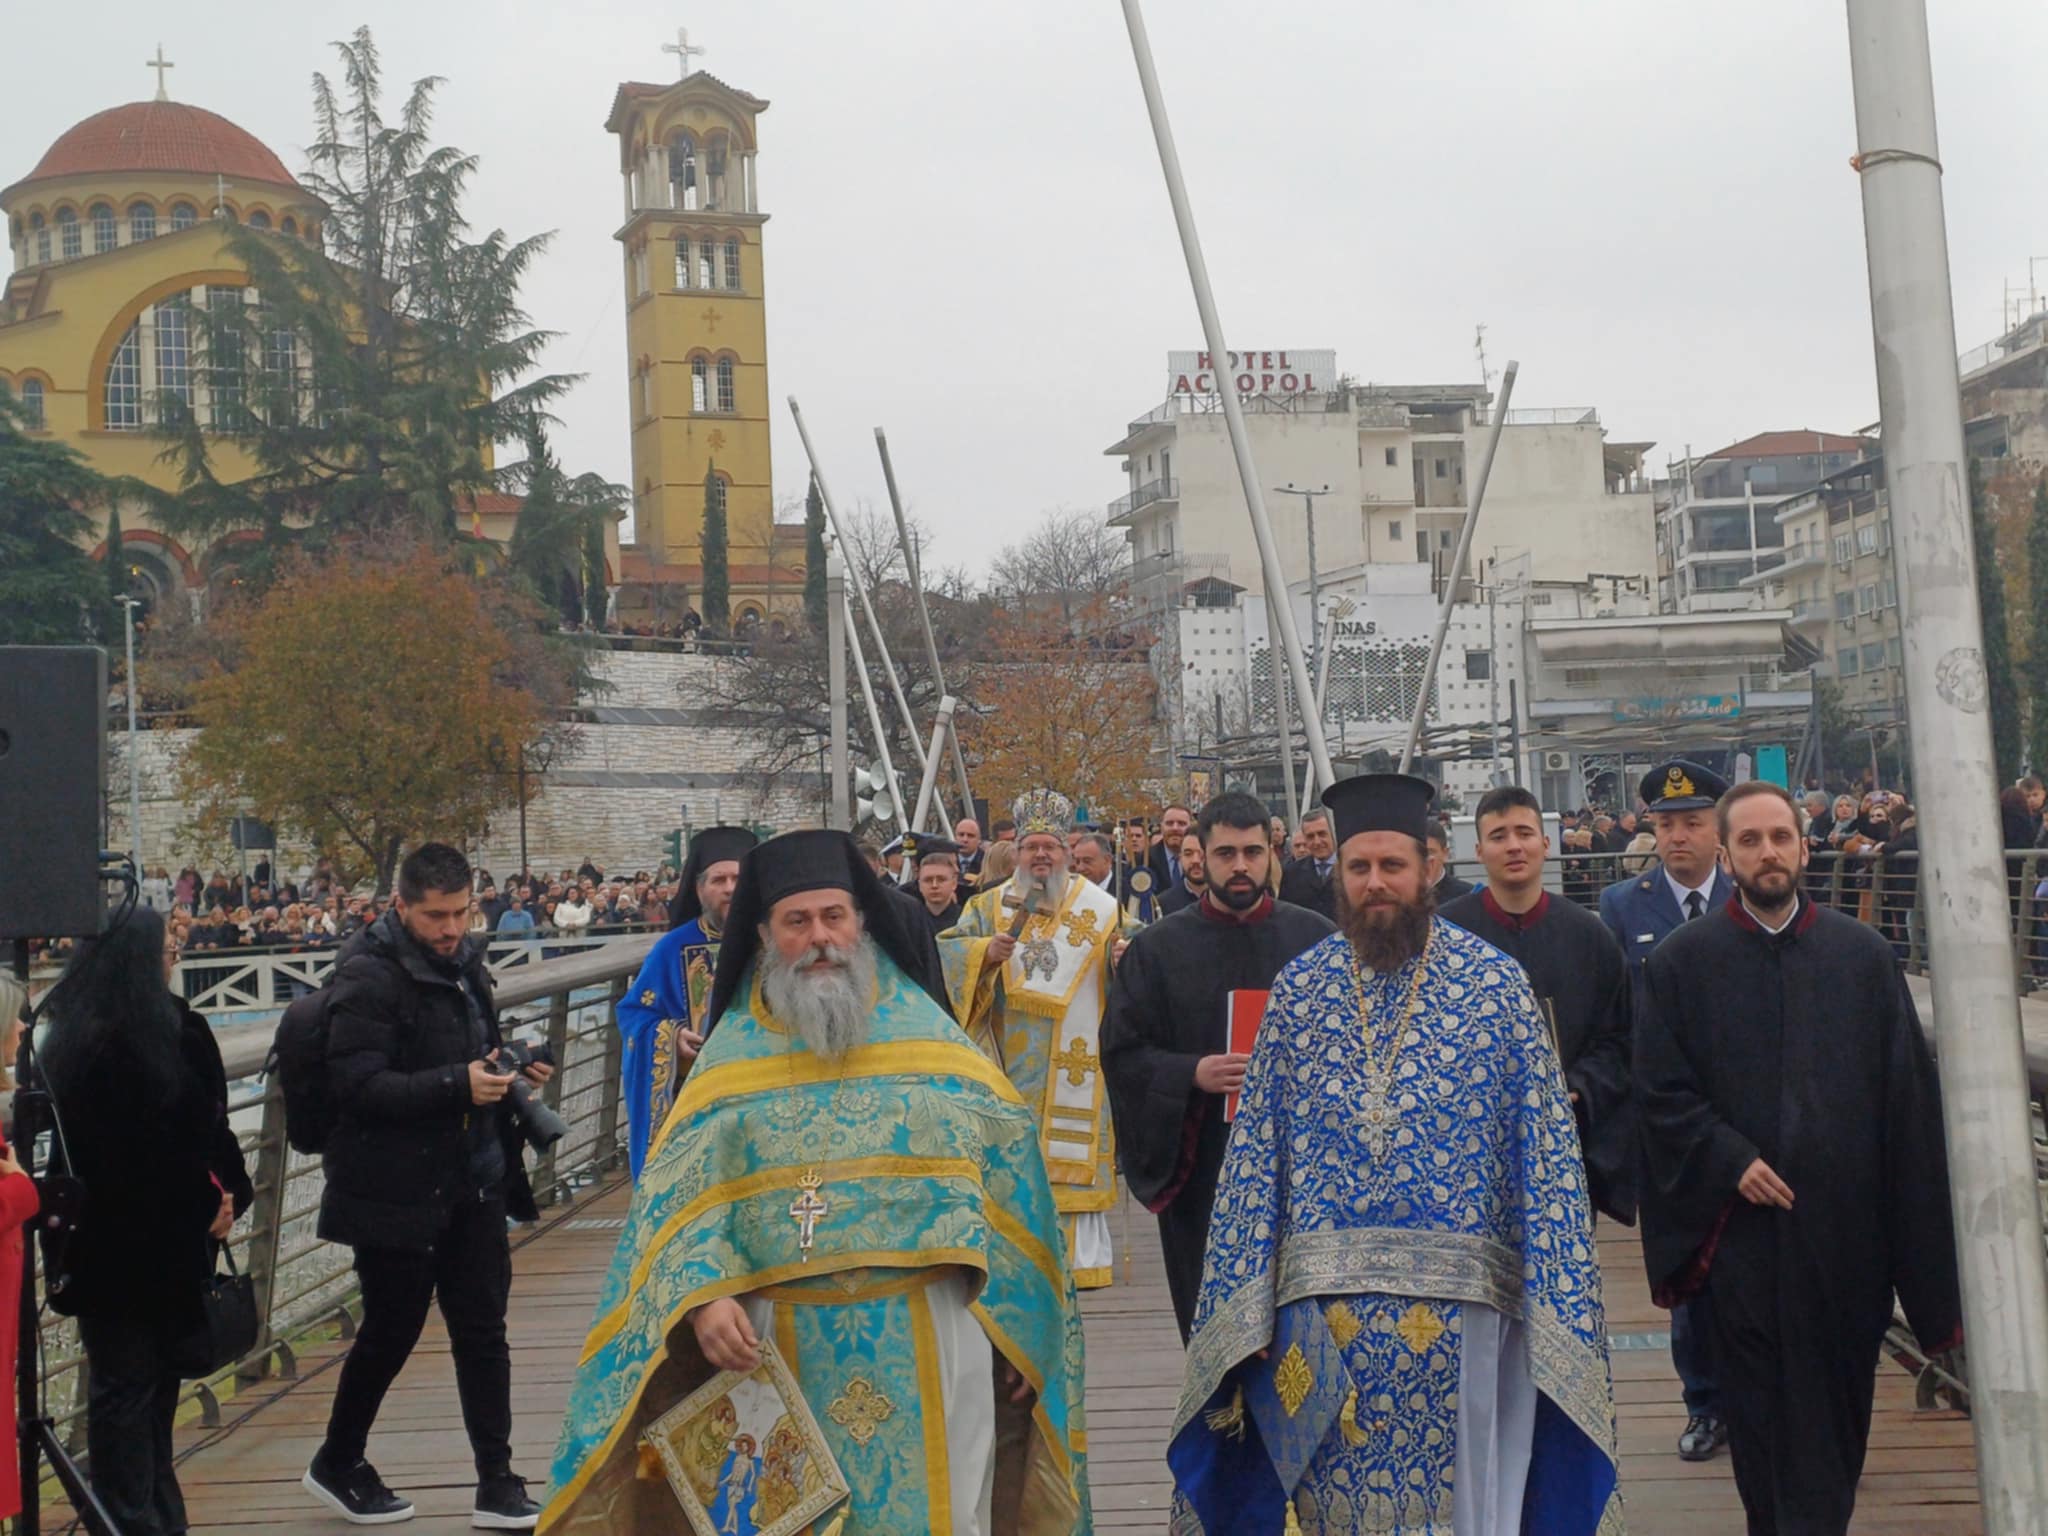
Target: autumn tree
{"points": [[1078, 717], [367, 703]]}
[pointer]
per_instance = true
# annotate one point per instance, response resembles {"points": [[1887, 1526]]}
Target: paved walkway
{"points": [[244, 1478]]}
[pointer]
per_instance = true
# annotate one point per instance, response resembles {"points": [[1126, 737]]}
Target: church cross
{"points": [[1076, 1060], [159, 64], [220, 196], [710, 319], [807, 1210], [683, 49]]}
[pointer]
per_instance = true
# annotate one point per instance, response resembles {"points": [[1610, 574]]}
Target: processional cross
{"points": [[683, 49], [808, 1209], [159, 64]]}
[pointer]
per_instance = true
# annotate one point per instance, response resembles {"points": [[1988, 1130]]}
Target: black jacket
{"points": [[1301, 886], [154, 1165], [398, 1053]]}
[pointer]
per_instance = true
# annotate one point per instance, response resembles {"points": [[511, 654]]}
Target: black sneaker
{"points": [[357, 1494], [502, 1505], [1705, 1433]]}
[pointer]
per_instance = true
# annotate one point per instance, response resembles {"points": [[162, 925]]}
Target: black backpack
{"points": [[298, 1058]]}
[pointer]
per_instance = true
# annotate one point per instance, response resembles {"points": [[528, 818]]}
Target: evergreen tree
{"points": [[1998, 668], [814, 558], [595, 598], [2037, 630], [392, 355], [115, 560], [50, 594], [717, 576], [557, 544]]}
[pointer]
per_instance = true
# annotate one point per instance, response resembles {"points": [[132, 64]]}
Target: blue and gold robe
{"points": [[931, 1169], [666, 998], [1418, 1268]]}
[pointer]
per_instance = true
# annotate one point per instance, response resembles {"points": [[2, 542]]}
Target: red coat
{"points": [[18, 1203]]}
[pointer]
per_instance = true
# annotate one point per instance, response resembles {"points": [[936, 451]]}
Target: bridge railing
{"points": [[303, 1283]]}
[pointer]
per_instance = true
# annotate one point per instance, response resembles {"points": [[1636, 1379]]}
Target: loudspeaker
{"points": [[53, 774]]}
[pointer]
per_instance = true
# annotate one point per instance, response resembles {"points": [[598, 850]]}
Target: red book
{"points": [[1243, 1010]]}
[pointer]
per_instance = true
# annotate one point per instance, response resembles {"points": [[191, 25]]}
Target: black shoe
{"points": [[502, 1505], [357, 1494], [1705, 1433]]}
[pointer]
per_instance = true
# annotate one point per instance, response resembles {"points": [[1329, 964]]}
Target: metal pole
{"points": [[924, 615], [524, 866], [1339, 609], [1976, 1010], [840, 811], [1465, 530], [1283, 715], [859, 585], [1219, 360], [134, 747], [940, 728], [867, 698]]}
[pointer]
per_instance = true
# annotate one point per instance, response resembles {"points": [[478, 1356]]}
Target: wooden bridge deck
{"points": [[243, 1478]]}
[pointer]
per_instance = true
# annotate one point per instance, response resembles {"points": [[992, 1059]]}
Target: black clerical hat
{"points": [[714, 845], [923, 848], [1380, 802], [1682, 786]]}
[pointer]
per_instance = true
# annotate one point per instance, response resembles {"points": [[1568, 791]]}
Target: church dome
{"points": [[159, 136]]}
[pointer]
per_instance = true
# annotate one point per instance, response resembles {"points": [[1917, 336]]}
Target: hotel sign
{"points": [[1253, 373]]}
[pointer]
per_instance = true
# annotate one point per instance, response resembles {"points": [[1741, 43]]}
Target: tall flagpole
{"points": [[1962, 868], [841, 806], [1233, 412]]}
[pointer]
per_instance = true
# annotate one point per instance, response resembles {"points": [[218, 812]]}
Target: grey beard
{"points": [[831, 1007], [1051, 892]]}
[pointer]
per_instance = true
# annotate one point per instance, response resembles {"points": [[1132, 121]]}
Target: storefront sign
{"points": [[1694, 706]]}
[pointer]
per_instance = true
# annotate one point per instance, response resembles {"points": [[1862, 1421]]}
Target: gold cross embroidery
{"points": [[1080, 928], [1077, 1061], [807, 1210], [860, 1410], [1419, 1328], [1293, 1380]]}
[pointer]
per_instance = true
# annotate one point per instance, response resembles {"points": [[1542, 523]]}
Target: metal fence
{"points": [[303, 1283]]}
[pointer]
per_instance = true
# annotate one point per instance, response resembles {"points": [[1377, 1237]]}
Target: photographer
{"points": [[139, 1088], [422, 1169]]}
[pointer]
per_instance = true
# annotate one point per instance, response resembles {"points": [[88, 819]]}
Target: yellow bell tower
{"points": [[697, 334]]}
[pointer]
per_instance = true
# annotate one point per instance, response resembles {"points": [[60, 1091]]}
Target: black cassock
{"points": [[1168, 1009], [1801, 1048], [1580, 980]]}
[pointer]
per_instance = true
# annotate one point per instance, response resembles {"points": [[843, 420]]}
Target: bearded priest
{"points": [[843, 1175], [1027, 968], [1399, 1328]]}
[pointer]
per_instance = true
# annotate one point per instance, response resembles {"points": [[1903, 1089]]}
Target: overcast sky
{"points": [[1648, 203]]}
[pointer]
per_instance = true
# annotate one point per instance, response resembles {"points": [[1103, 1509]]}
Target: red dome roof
{"points": [[160, 136]]}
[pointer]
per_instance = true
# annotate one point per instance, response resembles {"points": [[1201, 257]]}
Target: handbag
{"points": [[227, 1326]]}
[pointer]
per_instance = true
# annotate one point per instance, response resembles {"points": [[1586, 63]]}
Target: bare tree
{"points": [[871, 546], [1071, 557]]}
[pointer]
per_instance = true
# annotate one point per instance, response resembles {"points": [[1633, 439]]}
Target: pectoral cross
{"points": [[808, 1209], [683, 49], [159, 64]]}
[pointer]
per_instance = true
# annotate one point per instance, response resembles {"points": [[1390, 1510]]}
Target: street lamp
{"points": [[128, 606]]}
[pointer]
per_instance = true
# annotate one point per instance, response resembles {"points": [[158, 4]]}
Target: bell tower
{"points": [[696, 327]]}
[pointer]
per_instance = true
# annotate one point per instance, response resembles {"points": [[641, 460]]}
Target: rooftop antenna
{"points": [[1479, 346]]}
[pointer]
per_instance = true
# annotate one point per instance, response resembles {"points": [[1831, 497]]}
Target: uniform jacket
{"points": [[1641, 913]]}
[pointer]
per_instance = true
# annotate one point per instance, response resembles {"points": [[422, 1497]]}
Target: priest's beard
{"points": [[831, 1004], [1771, 890], [1386, 934], [1051, 890]]}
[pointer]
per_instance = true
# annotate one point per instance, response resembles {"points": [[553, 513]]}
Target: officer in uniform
{"points": [[1687, 882]]}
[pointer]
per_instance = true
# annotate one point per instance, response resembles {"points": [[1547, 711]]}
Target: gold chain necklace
{"points": [[1379, 1112]]}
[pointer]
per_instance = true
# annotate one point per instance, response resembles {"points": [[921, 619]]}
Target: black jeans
{"points": [[470, 1268], [131, 1400]]}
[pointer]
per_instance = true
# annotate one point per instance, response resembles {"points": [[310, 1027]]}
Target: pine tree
{"points": [[49, 592], [2037, 630], [596, 600], [561, 522], [814, 558], [717, 575], [1998, 668]]}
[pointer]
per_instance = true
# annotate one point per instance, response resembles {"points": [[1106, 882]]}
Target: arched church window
{"points": [[683, 261], [732, 264], [259, 220], [682, 171], [105, 233], [70, 239], [174, 348], [715, 173], [32, 404], [141, 223], [726, 399], [290, 226], [124, 383], [183, 215], [700, 386], [42, 234]]}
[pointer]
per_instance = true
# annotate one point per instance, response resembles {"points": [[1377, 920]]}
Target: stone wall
{"points": [[649, 761]]}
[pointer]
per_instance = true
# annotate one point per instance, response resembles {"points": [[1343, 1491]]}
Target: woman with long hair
{"points": [[18, 1203], [142, 1100]]}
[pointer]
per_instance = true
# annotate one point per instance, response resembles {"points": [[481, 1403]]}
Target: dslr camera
{"points": [[540, 1125]]}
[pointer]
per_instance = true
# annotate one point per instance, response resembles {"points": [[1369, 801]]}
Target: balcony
{"points": [[1811, 615], [1165, 489], [1802, 557]]}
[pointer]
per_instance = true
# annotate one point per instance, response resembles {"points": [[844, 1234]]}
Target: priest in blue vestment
{"points": [[1400, 1327], [662, 1016]]}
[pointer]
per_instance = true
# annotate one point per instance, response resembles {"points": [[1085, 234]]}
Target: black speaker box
{"points": [[53, 774]]}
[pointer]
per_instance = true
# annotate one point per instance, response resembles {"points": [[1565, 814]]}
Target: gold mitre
{"points": [[1043, 810]]}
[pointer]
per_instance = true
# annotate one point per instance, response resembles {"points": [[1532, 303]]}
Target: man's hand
{"points": [[1760, 1186], [725, 1335], [1000, 948], [539, 1073], [224, 1219], [688, 1044], [1116, 950], [1221, 1074], [1012, 1380], [487, 1084]]}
